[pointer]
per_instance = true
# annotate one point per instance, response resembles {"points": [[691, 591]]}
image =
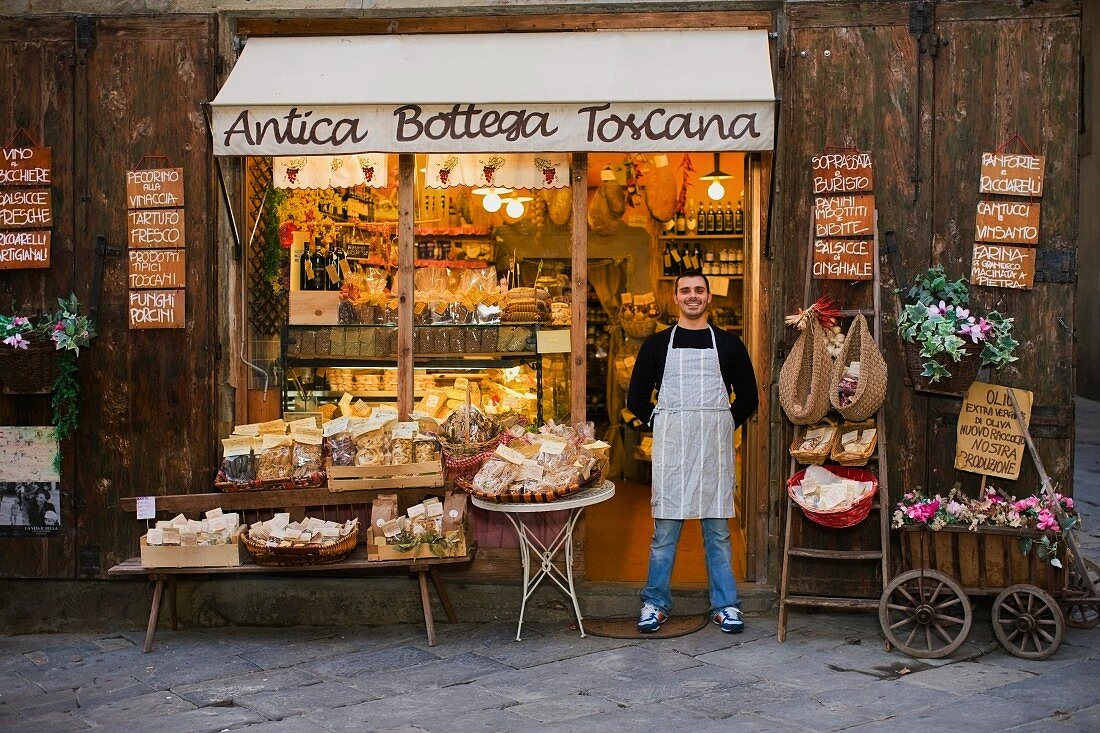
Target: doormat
{"points": [[627, 627]]}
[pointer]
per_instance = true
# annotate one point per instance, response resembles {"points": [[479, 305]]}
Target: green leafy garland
{"points": [[63, 400], [273, 255]]}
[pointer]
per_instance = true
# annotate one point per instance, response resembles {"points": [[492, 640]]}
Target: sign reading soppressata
{"points": [[990, 440], [842, 172], [471, 128]]}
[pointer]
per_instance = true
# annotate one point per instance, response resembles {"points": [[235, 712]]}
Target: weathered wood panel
{"points": [[36, 65], [994, 80], [148, 394], [878, 113]]}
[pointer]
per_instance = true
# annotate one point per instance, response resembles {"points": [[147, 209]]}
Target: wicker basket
{"points": [[623, 371], [636, 329], [843, 516], [820, 451], [804, 378], [31, 370], [859, 345], [962, 372], [525, 497], [854, 458], [301, 555]]}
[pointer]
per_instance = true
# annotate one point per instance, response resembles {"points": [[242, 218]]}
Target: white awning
{"points": [[643, 91]]}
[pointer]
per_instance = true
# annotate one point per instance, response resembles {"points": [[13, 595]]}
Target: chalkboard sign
{"points": [[844, 259], [156, 308], [155, 228], [24, 249], [843, 216], [26, 208], [154, 188], [1014, 222], [25, 166], [157, 269], [1003, 266], [1011, 174], [989, 437], [842, 173]]}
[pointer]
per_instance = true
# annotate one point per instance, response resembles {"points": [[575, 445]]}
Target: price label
{"points": [[146, 507]]}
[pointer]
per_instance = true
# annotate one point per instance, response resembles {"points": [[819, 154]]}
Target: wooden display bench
{"points": [[254, 505]]}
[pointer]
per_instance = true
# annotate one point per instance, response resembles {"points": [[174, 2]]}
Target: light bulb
{"points": [[716, 191], [514, 209], [491, 202]]}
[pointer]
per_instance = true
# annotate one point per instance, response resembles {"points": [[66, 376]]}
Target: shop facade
{"points": [[927, 88]]}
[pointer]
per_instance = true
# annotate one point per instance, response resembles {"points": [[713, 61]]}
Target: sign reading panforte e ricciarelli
{"points": [[26, 207], [158, 261], [990, 440]]}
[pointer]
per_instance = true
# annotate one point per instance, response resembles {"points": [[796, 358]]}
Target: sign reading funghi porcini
{"points": [[156, 236], [1006, 230], [843, 227], [26, 207]]}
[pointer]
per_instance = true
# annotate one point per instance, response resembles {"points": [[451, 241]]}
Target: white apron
{"points": [[692, 437]]}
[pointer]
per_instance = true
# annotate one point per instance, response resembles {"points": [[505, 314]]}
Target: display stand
{"points": [[881, 504]]}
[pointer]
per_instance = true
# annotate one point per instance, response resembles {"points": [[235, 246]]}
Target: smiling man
{"points": [[694, 368]]}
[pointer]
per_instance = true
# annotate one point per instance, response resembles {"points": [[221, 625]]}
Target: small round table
{"points": [[532, 548]]}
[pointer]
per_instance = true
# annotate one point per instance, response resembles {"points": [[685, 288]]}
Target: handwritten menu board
{"points": [[1003, 223], [156, 235], [26, 207], [989, 438], [844, 226], [157, 308]]}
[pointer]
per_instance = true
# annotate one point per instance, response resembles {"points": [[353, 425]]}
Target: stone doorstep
{"points": [[29, 606]]}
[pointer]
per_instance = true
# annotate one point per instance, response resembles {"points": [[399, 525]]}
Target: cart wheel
{"points": [[1027, 622], [1082, 614], [925, 614]]}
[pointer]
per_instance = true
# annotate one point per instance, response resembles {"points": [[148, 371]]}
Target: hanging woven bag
{"points": [[859, 345], [804, 378]]}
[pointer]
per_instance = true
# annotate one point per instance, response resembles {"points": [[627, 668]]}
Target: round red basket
{"points": [[845, 516]]}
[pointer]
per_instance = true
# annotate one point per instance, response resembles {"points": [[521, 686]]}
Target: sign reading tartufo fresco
{"points": [[155, 228], [990, 440], [1012, 174], [26, 207]]}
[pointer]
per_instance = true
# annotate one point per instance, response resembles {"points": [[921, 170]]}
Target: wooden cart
{"points": [[926, 610]]}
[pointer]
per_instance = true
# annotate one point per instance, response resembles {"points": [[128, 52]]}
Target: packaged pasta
{"points": [[237, 465], [308, 455], [274, 459], [401, 446], [425, 449], [339, 443]]}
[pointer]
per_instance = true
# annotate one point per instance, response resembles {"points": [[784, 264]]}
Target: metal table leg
{"points": [[532, 547]]}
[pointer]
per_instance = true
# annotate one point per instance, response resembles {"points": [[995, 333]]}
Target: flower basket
{"points": [[963, 372], [842, 516], [31, 370]]}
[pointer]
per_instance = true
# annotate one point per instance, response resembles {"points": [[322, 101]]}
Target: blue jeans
{"points": [[662, 556]]}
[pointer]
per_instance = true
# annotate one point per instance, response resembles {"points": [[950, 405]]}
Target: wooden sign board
{"points": [[157, 269], [842, 173], [26, 208], [24, 249], [1003, 266], [989, 438], [1011, 174], [154, 188], [157, 308], [27, 454], [25, 166], [843, 216], [1013, 222], [155, 228], [843, 259]]}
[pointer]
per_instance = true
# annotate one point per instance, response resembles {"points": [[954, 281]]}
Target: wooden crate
{"points": [[377, 549], [204, 556], [410, 475], [983, 561], [314, 308]]}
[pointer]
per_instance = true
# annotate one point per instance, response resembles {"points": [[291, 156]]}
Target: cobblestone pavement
{"points": [[831, 674]]}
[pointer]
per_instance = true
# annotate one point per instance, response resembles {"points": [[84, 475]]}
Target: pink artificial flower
{"points": [[20, 321], [923, 512], [1024, 504], [1047, 520], [962, 313], [937, 310], [60, 326], [16, 341], [993, 497], [954, 508], [1067, 502]]}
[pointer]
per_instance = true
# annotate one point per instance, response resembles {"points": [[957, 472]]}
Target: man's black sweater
{"points": [[737, 371]]}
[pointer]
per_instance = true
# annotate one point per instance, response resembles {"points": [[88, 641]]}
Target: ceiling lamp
{"points": [[716, 190], [514, 208]]}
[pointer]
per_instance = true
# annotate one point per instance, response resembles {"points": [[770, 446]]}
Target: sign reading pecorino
{"points": [[157, 269], [989, 438], [26, 166], [843, 259], [1014, 222], [1012, 174], [843, 216], [1003, 266], [154, 188], [156, 308], [24, 249], [151, 228], [842, 173]]}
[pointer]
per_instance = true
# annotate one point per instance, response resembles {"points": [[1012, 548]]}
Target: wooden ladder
{"points": [[881, 504]]}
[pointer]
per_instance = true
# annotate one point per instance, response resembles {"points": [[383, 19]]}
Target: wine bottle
{"points": [[727, 219], [692, 219], [333, 271], [319, 262], [305, 269], [701, 220], [681, 222], [677, 260], [697, 259], [739, 219], [666, 261], [711, 223]]}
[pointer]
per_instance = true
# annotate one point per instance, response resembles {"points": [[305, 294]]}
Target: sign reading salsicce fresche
{"points": [[26, 207]]}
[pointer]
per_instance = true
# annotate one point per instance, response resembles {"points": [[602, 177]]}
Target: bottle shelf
{"points": [[692, 237], [670, 278]]}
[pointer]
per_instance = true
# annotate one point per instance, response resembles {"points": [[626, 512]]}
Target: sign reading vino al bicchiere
{"points": [[26, 207], [157, 258], [844, 210]]}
